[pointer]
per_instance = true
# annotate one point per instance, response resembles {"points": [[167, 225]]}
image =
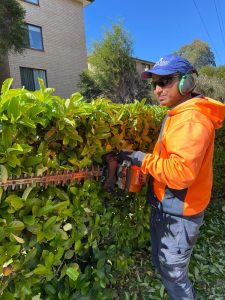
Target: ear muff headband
{"points": [[186, 84]]}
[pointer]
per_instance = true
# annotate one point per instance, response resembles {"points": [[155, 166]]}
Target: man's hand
{"points": [[136, 157], [125, 155]]}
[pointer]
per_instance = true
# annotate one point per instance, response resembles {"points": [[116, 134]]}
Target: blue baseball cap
{"points": [[168, 65]]}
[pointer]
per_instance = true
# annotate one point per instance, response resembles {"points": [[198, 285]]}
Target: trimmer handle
{"points": [[109, 174]]}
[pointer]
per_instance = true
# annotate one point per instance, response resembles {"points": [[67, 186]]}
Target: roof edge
{"points": [[143, 60], [87, 2]]}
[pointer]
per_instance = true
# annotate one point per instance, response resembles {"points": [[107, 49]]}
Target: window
{"points": [[29, 78], [32, 1], [35, 40], [145, 66]]}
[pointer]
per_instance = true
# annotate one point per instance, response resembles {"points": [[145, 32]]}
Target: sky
{"points": [[160, 27]]}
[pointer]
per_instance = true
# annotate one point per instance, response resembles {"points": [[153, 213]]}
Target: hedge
{"points": [[73, 241]]}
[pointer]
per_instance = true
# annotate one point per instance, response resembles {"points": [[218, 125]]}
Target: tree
{"points": [[211, 82], [88, 86], [214, 71], [211, 86], [113, 73], [198, 53], [12, 27]]}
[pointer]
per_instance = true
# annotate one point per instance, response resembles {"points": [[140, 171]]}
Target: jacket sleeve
{"points": [[185, 146]]}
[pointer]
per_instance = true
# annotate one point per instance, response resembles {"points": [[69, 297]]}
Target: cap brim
{"points": [[148, 74]]}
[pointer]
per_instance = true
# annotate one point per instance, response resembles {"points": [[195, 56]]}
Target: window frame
{"points": [[30, 2], [38, 69], [41, 32]]}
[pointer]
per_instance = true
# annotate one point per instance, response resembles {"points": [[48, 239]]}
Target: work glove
{"points": [[135, 157]]}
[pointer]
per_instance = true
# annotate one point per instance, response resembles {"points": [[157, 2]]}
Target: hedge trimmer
{"points": [[125, 176]]}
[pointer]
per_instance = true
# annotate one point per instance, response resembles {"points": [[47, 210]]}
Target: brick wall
{"points": [[64, 56]]}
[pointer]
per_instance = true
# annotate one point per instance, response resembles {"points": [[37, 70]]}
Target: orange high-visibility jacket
{"points": [[180, 166]]}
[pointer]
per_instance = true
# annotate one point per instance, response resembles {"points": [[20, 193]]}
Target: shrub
{"points": [[67, 242]]}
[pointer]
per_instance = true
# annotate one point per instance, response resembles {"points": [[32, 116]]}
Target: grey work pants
{"points": [[173, 239]]}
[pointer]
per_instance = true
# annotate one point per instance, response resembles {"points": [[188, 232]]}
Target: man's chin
{"points": [[163, 102]]}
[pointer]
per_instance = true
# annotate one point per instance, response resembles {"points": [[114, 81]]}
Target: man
{"points": [[180, 170]]}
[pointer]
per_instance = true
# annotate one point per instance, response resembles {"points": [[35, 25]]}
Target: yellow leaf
{"points": [[4, 174], [108, 148], [18, 239], [67, 227], [87, 210], [7, 271]]}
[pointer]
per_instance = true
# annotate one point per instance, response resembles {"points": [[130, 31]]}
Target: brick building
{"points": [[142, 65], [57, 47]]}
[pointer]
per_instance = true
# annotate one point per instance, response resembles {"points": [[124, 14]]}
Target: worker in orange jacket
{"points": [[180, 170]]}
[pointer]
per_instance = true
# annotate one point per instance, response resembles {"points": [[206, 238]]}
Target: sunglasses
{"points": [[162, 82]]}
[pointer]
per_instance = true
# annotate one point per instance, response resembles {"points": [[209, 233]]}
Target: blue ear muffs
{"points": [[186, 84]]}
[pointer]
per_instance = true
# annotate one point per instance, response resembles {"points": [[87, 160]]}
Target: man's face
{"points": [[166, 90]]}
